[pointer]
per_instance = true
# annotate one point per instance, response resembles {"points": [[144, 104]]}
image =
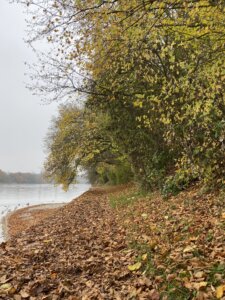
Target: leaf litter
{"points": [[149, 248]]}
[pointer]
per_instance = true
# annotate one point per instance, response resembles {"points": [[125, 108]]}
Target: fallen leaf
{"points": [[24, 294], [12, 291], [135, 267], [193, 238], [188, 285], [219, 291], [199, 274], [189, 249], [144, 256], [152, 244], [53, 275], [5, 286], [47, 241], [198, 285], [3, 279], [170, 277], [154, 295], [144, 215], [145, 237]]}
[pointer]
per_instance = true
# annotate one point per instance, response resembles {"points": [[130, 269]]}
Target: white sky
{"points": [[24, 120]]}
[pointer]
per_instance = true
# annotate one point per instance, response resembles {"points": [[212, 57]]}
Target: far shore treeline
{"points": [[19, 178]]}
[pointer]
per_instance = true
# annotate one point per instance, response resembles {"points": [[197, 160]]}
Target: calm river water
{"points": [[14, 196]]}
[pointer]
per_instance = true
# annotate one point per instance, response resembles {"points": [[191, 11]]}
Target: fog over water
{"points": [[24, 120]]}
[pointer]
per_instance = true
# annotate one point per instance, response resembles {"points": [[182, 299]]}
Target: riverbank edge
{"points": [[5, 220]]}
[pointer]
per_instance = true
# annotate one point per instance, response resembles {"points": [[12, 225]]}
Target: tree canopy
{"points": [[155, 71], [80, 138]]}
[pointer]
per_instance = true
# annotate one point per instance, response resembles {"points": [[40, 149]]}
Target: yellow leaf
{"points": [[144, 256], [138, 103], [193, 238], [198, 285], [219, 291], [144, 215], [199, 274], [189, 249], [47, 241], [223, 215], [5, 286], [152, 244], [135, 267]]}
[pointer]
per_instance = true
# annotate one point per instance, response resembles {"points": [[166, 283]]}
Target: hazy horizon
{"points": [[24, 120]]}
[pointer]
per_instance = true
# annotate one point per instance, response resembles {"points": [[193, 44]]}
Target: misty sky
{"points": [[24, 120]]}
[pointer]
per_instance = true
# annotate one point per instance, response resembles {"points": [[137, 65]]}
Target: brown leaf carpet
{"points": [[79, 252]]}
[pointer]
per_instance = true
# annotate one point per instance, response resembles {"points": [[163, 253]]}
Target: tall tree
{"points": [[156, 68], [81, 138]]}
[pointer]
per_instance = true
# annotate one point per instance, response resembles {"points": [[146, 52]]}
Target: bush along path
{"points": [[120, 244]]}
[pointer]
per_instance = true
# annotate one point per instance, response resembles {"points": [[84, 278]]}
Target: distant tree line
{"points": [[19, 178]]}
